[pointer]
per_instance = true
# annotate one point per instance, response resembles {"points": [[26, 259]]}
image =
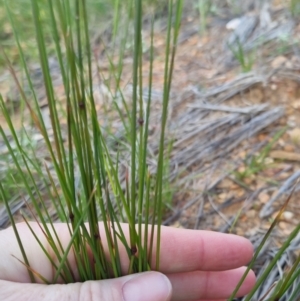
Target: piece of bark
{"points": [[284, 155]]}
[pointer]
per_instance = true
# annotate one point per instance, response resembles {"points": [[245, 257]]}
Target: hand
{"points": [[195, 265]]}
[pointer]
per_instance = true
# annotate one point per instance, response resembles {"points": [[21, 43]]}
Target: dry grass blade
{"points": [[268, 269]]}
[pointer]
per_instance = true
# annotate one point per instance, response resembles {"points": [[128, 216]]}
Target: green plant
{"points": [[10, 177], [204, 7], [235, 6], [278, 289], [82, 152], [168, 189], [246, 61], [100, 14], [295, 7], [258, 162], [81, 171]]}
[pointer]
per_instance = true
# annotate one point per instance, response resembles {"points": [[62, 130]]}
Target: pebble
{"points": [[263, 197], [251, 213], [288, 215], [296, 104], [233, 24], [295, 135], [289, 148], [279, 61]]}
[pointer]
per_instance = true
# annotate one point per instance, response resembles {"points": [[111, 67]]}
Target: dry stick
{"points": [[15, 205], [220, 147], [216, 209], [200, 212], [267, 208], [246, 110], [237, 85]]}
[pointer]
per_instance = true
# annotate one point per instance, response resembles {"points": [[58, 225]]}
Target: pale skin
{"points": [[195, 265]]}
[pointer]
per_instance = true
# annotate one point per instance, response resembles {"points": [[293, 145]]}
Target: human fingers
{"points": [[138, 287], [185, 250], [199, 285], [209, 300], [181, 251]]}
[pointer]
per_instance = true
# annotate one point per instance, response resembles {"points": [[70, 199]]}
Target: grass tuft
{"points": [[82, 173]]}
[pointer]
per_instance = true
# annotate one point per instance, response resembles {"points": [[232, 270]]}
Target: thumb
{"points": [[147, 286]]}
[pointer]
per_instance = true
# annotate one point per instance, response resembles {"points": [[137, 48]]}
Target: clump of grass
{"points": [[278, 290], [204, 7], [100, 12], [81, 173], [81, 151], [245, 60], [295, 7], [258, 162]]}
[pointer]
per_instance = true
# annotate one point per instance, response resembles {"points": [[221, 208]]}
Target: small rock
{"points": [[285, 227], [281, 142], [268, 160], [296, 104], [176, 225], [291, 118], [263, 197], [241, 169], [288, 65], [282, 176], [279, 61], [226, 183], [249, 180], [289, 148], [37, 137], [223, 195], [291, 123], [288, 215], [295, 135], [233, 24], [273, 87], [262, 137], [253, 231], [251, 213], [283, 155], [242, 154]]}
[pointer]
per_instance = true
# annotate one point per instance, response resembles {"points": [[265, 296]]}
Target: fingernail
{"points": [[147, 286]]}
